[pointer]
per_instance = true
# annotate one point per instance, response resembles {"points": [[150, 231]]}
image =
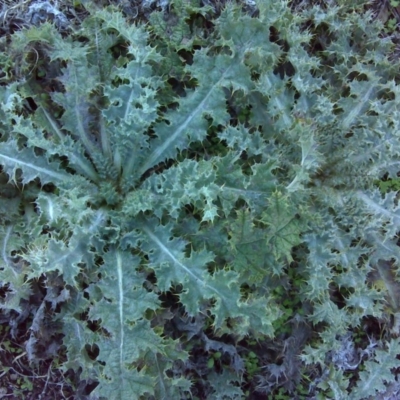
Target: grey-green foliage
{"points": [[115, 196]]}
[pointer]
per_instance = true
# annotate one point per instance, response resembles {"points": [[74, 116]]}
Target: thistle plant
{"points": [[160, 181]]}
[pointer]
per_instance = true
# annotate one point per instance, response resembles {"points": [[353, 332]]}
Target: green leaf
{"points": [[167, 257], [122, 306], [249, 256], [284, 226], [188, 123], [30, 164], [123, 384], [378, 372]]}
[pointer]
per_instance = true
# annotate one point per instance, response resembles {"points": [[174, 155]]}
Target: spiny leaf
{"points": [[284, 226], [32, 166]]}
